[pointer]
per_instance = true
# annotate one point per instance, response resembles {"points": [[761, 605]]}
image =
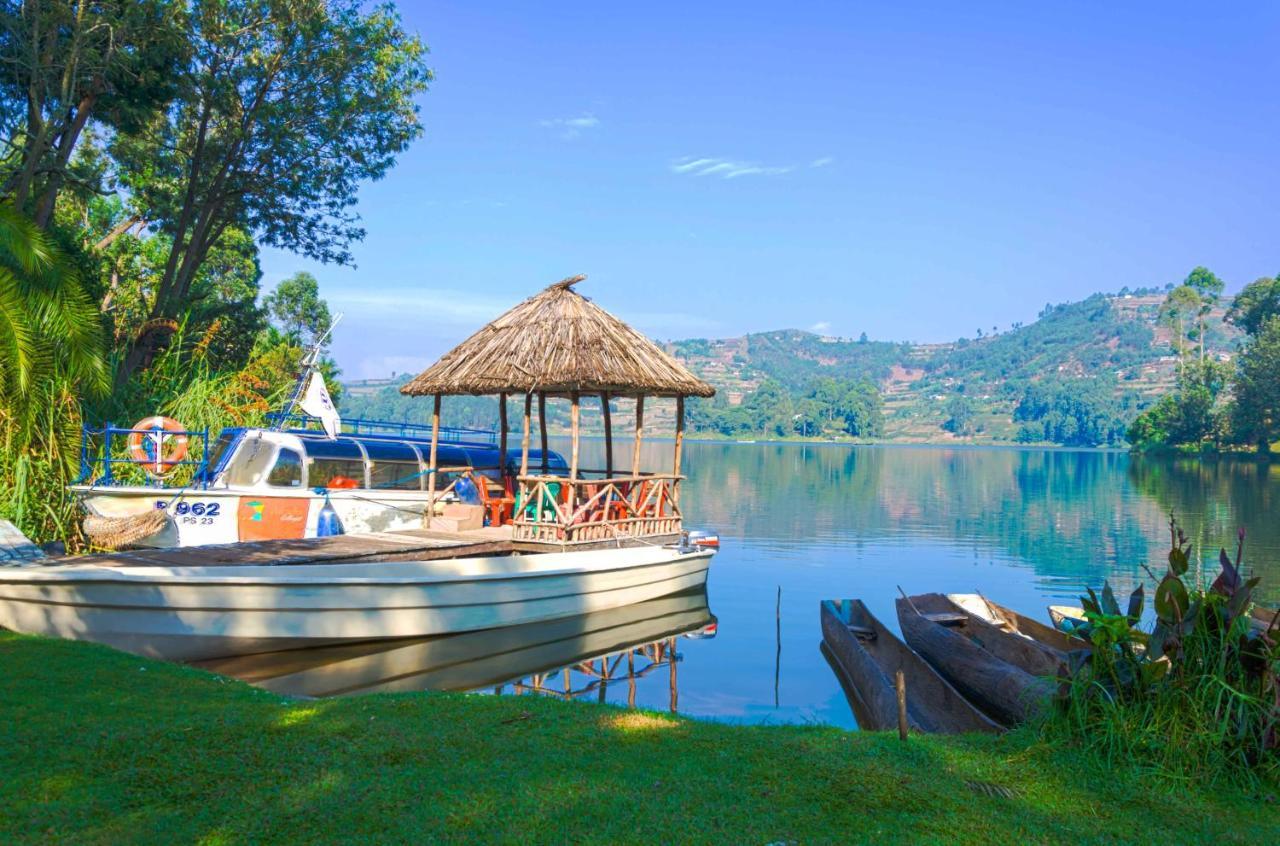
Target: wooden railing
{"points": [[563, 510]]}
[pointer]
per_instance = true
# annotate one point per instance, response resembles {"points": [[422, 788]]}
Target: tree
{"points": [[960, 413], [48, 324], [66, 62], [51, 356], [283, 109], [1208, 288], [1181, 307], [297, 309], [1256, 304], [1255, 413]]}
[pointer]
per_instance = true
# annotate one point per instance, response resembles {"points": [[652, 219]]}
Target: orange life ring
{"points": [[158, 443]]}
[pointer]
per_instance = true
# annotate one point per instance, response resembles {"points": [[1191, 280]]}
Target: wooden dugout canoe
{"points": [[1035, 647], [866, 657], [955, 643]]}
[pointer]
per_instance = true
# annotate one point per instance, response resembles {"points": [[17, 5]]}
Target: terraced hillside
{"points": [[1113, 341]]}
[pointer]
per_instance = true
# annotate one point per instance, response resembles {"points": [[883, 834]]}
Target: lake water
{"points": [[801, 523]]}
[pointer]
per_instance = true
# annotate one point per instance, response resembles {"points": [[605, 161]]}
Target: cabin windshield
{"points": [[220, 451], [287, 471]]}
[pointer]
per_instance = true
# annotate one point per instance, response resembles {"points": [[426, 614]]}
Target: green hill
{"points": [[1076, 375]]}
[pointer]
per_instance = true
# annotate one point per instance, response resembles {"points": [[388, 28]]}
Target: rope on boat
{"points": [[119, 532]]}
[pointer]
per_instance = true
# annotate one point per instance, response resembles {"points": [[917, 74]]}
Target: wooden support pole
{"points": [[675, 464], [502, 436], [524, 444], [542, 428], [573, 451], [900, 682], [631, 678], [608, 433], [435, 443], [635, 455], [671, 661]]}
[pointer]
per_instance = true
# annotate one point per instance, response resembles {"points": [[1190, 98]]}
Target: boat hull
{"points": [[1007, 693], [866, 671], [191, 613]]}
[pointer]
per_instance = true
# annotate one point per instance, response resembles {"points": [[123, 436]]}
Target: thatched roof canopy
{"points": [[558, 342]]}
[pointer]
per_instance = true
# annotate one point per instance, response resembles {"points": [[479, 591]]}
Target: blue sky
{"points": [[910, 170]]}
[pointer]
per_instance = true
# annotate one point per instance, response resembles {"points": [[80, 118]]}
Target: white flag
{"points": [[316, 402]]}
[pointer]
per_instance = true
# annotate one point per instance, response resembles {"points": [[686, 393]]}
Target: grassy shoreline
{"points": [[104, 747]]}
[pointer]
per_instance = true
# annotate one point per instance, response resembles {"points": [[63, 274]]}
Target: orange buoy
{"points": [[158, 444]]}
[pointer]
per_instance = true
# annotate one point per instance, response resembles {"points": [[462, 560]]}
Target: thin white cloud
{"points": [[822, 327], [726, 168], [571, 127], [438, 306], [822, 161]]}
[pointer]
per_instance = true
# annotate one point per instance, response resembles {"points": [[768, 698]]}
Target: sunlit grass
{"points": [[95, 751]]}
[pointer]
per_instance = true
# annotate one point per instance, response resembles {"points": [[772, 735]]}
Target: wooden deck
{"points": [[417, 544], [411, 545]]}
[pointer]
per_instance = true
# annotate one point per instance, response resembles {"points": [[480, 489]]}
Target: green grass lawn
{"points": [[103, 747]]}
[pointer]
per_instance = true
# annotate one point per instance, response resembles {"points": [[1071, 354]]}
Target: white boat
{"points": [[264, 484], [200, 612]]}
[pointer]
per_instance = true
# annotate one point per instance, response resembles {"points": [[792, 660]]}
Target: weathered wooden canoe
{"points": [[956, 644], [1039, 649], [1263, 618], [866, 657], [1066, 618]]}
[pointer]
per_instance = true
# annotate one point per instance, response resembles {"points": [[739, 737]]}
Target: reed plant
{"points": [[1195, 698]]}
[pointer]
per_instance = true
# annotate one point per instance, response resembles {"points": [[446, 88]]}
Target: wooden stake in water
{"points": [[900, 682]]}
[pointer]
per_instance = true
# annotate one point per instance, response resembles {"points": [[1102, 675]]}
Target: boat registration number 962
{"points": [[198, 513]]}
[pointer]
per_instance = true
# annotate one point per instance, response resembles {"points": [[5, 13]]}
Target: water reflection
{"points": [[1025, 527], [570, 657]]}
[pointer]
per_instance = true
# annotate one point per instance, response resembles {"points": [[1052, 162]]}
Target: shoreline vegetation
{"points": [[103, 746]]}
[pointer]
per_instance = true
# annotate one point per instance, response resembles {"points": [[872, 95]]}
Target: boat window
{"points": [[337, 473], [287, 471], [395, 475]]}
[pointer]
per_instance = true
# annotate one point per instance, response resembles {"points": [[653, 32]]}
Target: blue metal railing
{"points": [[387, 428], [109, 435]]}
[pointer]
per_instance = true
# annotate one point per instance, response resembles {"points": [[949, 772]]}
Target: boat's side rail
{"points": [[105, 458]]}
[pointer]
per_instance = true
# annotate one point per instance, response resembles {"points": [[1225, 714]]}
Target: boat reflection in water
{"points": [[568, 657]]}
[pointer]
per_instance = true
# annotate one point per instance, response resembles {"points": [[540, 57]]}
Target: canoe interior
{"points": [[867, 657], [1032, 647], [1004, 691], [1018, 623]]}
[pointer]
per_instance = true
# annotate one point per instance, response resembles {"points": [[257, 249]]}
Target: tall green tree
{"points": [[295, 306], [1256, 409], [1256, 304], [284, 108], [1208, 288], [69, 61]]}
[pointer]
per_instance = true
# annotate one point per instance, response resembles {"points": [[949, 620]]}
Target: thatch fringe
{"points": [[558, 342]]}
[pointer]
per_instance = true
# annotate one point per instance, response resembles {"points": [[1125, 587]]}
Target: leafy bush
{"points": [[1197, 696]]}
